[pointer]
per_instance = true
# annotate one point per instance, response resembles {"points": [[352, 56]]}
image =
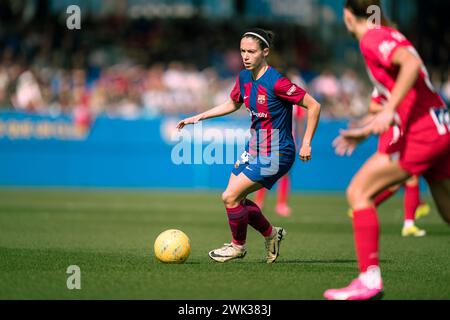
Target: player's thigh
{"points": [[239, 187], [441, 195], [376, 175]]}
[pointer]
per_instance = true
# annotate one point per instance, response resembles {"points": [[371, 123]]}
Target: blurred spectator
{"points": [[28, 96], [326, 89], [326, 86]]}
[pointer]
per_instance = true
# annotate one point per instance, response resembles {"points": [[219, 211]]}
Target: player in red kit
{"points": [[269, 98], [414, 120], [414, 207]]}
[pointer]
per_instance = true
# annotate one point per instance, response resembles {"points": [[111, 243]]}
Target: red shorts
{"points": [[430, 159], [388, 142]]}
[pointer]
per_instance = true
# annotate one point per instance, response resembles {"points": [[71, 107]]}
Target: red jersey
{"points": [[421, 138], [423, 110]]}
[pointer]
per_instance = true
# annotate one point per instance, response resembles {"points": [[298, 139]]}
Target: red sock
{"points": [[256, 218], [383, 196], [260, 195], [238, 221], [283, 190], [366, 230], [412, 201]]}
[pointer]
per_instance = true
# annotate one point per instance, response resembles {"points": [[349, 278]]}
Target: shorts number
{"points": [[441, 118]]}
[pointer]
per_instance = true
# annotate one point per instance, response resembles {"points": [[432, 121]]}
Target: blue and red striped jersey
{"points": [[269, 101]]}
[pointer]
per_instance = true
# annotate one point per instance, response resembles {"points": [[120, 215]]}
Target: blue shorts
{"points": [[265, 170]]}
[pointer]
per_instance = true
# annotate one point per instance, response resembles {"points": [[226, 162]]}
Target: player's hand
{"points": [[383, 121], [344, 146], [305, 152], [348, 140], [191, 120]]}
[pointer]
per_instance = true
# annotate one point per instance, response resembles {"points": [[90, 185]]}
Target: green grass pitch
{"points": [[110, 234]]}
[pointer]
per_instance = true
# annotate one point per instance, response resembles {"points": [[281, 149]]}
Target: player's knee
{"points": [[357, 198], [411, 183], [353, 195], [229, 199]]}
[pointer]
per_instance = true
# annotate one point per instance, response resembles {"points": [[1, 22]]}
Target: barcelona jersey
{"points": [[269, 102]]}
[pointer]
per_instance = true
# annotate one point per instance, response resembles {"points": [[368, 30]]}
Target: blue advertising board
{"points": [[150, 153]]}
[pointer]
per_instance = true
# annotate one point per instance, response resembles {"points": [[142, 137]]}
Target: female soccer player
{"points": [[269, 98], [415, 119], [414, 207]]}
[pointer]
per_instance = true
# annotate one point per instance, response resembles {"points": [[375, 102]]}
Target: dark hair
{"points": [[263, 37], [360, 9]]}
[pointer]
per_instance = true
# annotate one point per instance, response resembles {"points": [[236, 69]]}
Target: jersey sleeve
{"points": [[382, 44], [289, 91], [235, 94]]}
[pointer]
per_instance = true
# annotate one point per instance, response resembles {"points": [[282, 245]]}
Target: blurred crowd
{"points": [[131, 91], [133, 69]]}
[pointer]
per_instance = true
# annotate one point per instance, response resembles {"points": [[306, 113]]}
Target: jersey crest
{"points": [[261, 99]]}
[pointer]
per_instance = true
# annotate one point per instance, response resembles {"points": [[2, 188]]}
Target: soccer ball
{"points": [[172, 246]]}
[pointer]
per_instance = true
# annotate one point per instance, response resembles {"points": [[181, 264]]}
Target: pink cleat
{"points": [[283, 210], [355, 291], [365, 287]]}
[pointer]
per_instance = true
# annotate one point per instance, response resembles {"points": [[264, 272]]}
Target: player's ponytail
{"points": [[360, 8], [263, 37]]}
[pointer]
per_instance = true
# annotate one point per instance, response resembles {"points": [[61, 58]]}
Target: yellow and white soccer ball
{"points": [[172, 246]]}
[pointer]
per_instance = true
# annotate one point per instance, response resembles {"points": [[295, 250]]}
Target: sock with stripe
{"points": [[238, 221], [256, 218]]}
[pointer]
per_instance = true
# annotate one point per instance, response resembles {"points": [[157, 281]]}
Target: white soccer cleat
{"points": [[228, 252], [273, 244]]}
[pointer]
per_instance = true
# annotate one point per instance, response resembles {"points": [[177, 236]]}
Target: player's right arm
{"points": [[348, 140], [222, 110], [232, 105]]}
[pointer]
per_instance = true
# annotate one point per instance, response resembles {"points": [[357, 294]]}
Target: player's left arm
{"points": [[409, 67], [313, 108], [290, 92]]}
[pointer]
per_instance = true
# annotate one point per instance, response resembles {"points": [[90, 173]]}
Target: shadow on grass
{"points": [[333, 261], [330, 261]]}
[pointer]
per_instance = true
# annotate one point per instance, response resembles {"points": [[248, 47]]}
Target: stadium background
{"points": [[135, 67], [86, 110]]}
